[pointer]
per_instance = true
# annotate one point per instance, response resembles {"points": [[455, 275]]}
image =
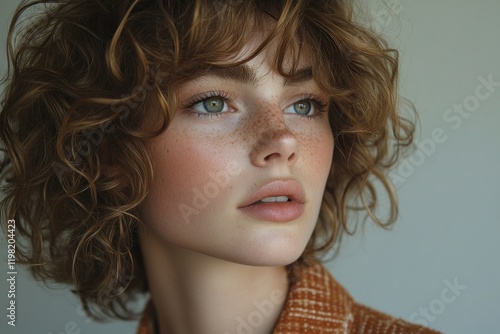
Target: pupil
{"points": [[214, 104], [302, 107]]}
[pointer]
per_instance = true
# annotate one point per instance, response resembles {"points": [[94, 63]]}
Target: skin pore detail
{"points": [[207, 272]]}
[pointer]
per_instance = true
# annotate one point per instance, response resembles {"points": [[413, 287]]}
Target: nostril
{"points": [[271, 156]]}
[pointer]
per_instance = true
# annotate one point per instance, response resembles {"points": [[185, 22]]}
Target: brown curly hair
{"points": [[85, 79]]}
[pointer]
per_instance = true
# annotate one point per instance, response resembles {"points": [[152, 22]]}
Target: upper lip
{"points": [[290, 188]]}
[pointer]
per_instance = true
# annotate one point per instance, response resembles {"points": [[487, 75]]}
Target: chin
{"points": [[274, 247], [269, 255], [274, 261]]}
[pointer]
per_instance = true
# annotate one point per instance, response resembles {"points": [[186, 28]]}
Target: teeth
{"points": [[275, 199]]}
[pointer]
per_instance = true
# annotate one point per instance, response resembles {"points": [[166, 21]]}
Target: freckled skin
{"points": [[265, 144]]}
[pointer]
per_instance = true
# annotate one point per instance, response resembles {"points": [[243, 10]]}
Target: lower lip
{"points": [[275, 212]]}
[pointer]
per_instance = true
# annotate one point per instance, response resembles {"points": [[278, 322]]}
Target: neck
{"points": [[196, 293]]}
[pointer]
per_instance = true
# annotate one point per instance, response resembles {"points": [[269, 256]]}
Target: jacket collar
{"points": [[315, 303]]}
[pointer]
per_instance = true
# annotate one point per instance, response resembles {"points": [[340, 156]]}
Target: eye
{"points": [[302, 107], [214, 104]]}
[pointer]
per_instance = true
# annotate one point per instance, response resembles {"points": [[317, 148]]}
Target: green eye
{"points": [[302, 107], [214, 104]]}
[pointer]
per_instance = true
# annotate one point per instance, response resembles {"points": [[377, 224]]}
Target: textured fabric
{"points": [[317, 304]]}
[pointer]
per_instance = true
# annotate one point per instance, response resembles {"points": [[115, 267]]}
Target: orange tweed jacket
{"points": [[317, 304]]}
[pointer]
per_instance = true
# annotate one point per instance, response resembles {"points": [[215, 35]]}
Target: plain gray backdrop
{"points": [[440, 264]]}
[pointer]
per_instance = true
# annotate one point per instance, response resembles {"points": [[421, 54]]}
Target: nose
{"points": [[274, 142]]}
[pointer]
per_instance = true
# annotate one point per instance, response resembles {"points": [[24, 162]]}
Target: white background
{"points": [[449, 225]]}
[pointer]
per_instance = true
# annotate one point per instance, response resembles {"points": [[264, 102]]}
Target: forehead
{"points": [[257, 42], [273, 52], [291, 60]]}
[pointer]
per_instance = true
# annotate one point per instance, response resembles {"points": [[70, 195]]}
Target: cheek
{"points": [[178, 168], [189, 169], [316, 150]]}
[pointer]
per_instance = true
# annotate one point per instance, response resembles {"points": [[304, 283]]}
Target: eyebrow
{"points": [[241, 73], [300, 76], [245, 74]]}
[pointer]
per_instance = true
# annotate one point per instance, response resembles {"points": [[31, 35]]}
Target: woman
{"points": [[205, 152]]}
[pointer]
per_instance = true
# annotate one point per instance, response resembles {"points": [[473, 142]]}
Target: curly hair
{"points": [[85, 79]]}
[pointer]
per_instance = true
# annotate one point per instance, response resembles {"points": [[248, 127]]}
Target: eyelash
{"points": [[207, 95], [318, 103]]}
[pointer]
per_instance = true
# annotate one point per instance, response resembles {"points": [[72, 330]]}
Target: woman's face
{"points": [[241, 170]]}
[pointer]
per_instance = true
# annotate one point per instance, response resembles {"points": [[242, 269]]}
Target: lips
{"points": [[276, 211]]}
